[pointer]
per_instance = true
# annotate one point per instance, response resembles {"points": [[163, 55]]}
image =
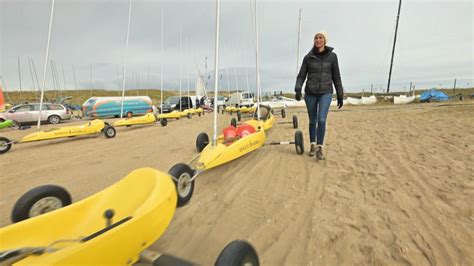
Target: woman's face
{"points": [[319, 41]]}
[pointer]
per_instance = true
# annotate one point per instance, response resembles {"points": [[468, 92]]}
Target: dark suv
{"points": [[173, 103]]}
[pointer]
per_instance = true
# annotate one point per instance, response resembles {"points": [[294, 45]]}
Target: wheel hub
{"points": [[184, 184], [45, 205]]}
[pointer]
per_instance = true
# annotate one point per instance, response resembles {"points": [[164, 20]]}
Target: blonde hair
{"points": [[325, 35]]}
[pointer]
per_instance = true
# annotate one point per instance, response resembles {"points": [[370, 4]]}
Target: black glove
{"points": [[340, 102], [298, 96]]}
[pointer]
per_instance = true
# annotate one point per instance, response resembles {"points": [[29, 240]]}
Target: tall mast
{"points": [[126, 57], [216, 72], [161, 68], [180, 59], [75, 81], [245, 63], [393, 48], [257, 61], [19, 77], [45, 69]]}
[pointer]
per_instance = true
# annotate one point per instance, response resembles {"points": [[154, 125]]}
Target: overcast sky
{"points": [[434, 46]]}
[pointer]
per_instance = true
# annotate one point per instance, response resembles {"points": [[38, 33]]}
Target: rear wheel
{"points": [[239, 116], [109, 132], [164, 122], [202, 141], [283, 113], [184, 186], [16, 125], [233, 122], [5, 145], [237, 253], [295, 121], [40, 200], [299, 142], [189, 115], [54, 119]]}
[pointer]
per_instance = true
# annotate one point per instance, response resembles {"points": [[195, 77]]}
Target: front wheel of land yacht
{"points": [[164, 122], [184, 185], [299, 142], [40, 200], [202, 141], [109, 132], [283, 113], [5, 145], [189, 115], [295, 121], [239, 116], [237, 253]]}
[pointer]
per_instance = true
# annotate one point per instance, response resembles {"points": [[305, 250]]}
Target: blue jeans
{"points": [[318, 108]]}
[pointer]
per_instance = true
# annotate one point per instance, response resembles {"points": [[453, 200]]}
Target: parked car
{"points": [[173, 103], [111, 106], [240, 99], [28, 113]]}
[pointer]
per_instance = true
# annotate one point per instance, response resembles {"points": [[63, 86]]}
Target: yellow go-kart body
{"points": [[199, 110], [266, 124], [93, 127], [144, 203], [213, 156], [232, 109], [247, 109], [172, 115], [149, 118], [242, 109], [193, 111]]}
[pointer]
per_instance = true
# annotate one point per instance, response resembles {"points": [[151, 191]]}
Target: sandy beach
{"points": [[397, 186]]}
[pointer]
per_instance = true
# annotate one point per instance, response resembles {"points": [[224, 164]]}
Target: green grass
{"points": [[79, 97]]}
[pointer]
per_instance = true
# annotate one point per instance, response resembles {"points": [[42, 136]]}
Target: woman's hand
{"points": [[298, 96], [340, 102]]}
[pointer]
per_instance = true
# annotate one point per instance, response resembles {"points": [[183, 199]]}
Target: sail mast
{"points": [[393, 48]]}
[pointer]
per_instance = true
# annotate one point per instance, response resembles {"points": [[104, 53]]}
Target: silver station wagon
{"points": [[28, 113]]}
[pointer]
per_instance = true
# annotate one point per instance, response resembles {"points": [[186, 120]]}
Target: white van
{"points": [[240, 99]]}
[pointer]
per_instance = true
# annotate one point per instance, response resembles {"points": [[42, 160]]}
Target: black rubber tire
{"points": [[199, 114], [54, 119], [189, 115], [109, 132], [164, 122], [202, 141], [237, 253], [283, 113], [299, 142], [21, 210], [182, 170], [239, 116], [5, 145], [233, 122], [223, 110], [16, 125], [295, 121]]}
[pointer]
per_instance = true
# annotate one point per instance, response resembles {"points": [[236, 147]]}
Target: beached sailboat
{"points": [[404, 99], [369, 100]]}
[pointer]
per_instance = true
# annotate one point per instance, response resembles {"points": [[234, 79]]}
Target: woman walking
{"points": [[320, 69]]}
